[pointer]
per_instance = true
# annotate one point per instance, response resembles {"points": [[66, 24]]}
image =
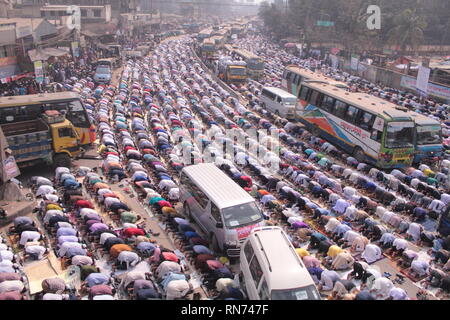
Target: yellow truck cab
{"points": [[65, 139]]}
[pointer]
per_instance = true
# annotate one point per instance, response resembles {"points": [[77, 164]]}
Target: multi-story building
{"points": [[89, 14]]}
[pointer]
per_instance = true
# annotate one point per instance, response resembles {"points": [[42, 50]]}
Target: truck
{"points": [[207, 49], [232, 71], [115, 52], [50, 139]]}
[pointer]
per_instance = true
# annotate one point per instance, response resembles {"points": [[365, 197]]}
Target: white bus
{"points": [[272, 270], [372, 130], [222, 209], [278, 101]]}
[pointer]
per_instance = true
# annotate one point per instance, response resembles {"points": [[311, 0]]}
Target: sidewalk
{"points": [[15, 209]]}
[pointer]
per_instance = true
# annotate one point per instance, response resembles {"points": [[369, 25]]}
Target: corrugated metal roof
{"points": [[219, 188]]}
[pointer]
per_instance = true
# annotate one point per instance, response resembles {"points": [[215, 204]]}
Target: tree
{"points": [[408, 31]]}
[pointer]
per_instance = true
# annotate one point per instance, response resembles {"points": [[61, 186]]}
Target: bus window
{"points": [[328, 103], [376, 135], [365, 120], [298, 80], [303, 93], [351, 113], [315, 98], [340, 109], [289, 76]]}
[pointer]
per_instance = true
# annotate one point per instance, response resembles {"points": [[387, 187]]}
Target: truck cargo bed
{"points": [[24, 127], [28, 140]]}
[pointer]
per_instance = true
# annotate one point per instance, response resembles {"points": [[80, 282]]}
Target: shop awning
{"points": [[16, 77], [44, 54], [7, 72]]}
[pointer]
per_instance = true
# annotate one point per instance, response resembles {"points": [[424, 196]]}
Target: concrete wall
{"points": [[394, 79]]}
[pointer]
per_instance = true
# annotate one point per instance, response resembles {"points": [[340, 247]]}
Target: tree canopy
{"points": [[404, 23]]}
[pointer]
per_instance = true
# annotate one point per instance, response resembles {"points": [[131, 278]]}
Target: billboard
{"points": [[433, 89]]}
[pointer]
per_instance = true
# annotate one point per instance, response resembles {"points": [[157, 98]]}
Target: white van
{"points": [[272, 270], [222, 209], [278, 101]]}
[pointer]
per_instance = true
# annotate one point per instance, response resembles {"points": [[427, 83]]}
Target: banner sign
{"points": [[39, 71], [433, 89], [423, 77]]}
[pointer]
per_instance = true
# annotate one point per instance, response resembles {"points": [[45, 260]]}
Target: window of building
{"points": [[52, 13], [3, 53], [97, 13], [83, 12]]}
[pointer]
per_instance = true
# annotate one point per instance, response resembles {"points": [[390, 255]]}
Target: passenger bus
{"points": [[294, 75], [30, 107], [219, 41], [208, 48], [373, 131], [255, 64], [223, 32], [428, 137], [204, 34]]}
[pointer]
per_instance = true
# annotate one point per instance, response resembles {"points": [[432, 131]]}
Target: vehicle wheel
{"points": [[187, 212], [62, 160], [359, 155], [214, 243]]}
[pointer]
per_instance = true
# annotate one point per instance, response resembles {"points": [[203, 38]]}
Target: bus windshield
{"points": [[241, 215], [431, 134], [399, 135], [255, 64], [103, 69], [304, 293], [237, 71]]}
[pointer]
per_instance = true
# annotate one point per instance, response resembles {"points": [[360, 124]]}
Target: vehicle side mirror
{"points": [[219, 225]]}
